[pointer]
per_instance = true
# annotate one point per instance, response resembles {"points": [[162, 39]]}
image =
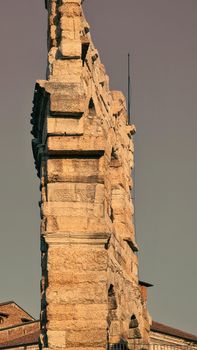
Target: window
{"points": [[3, 316], [25, 320]]}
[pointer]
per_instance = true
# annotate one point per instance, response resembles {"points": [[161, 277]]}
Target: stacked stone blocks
{"points": [[84, 154]]}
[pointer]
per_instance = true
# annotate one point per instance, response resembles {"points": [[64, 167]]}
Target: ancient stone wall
{"points": [[83, 150]]}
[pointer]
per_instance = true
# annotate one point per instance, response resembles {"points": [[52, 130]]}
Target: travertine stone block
{"points": [[70, 9], [70, 27], [89, 145], [71, 48], [78, 325], [71, 1], [67, 71], [66, 224], [56, 338], [79, 224], [70, 105], [80, 258], [78, 311], [75, 170], [75, 192], [64, 126], [71, 279], [73, 209], [83, 338], [82, 295]]}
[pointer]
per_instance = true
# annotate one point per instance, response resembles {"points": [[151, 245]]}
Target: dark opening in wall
{"points": [[3, 316], [85, 47], [91, 106], [133, 322], [112, 215], [91, 103], [115, 161], [112, 304], [113, 154]]}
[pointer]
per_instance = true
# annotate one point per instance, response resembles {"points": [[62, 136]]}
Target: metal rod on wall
{"points": [[129, 89]]}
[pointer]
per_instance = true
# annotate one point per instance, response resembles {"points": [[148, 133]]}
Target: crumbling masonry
{"points": [[83, 150]]}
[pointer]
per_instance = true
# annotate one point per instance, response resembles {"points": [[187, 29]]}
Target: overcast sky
{"points": [[161, 37]]}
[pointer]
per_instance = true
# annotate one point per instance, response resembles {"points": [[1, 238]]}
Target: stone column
{"points": [[83, 152]]}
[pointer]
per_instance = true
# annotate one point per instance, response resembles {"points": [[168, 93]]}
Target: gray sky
{"points": [[161, 37]]}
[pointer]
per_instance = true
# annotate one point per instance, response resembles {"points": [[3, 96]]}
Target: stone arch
{"points": [[114, 155], [112, 331], [133, 322], [112, 303], [134, 330], [92, 109]]}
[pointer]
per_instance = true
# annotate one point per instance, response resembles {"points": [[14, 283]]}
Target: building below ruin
{"points": [[20, 331], [164, 335]]}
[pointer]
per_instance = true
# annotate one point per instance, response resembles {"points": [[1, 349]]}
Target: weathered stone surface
{"points": [[84, 155], [63, 126], [77, 312], [70, 48], [77, 258], [75, 192], [75, 294], [67, 71], [61, 103], [75, 170], [56, 338], [72, 209], [87, 145]]}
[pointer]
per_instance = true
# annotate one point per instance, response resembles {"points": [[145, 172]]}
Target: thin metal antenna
{"points": [[129, 122], [129, 89]]}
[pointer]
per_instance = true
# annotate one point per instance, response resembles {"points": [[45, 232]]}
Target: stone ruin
{"points": [[84, 153]]}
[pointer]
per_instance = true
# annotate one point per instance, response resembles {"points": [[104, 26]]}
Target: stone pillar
{"points": [[83, 152]]}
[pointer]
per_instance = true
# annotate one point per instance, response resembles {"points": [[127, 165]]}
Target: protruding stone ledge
{"points": [[93, 238]]}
